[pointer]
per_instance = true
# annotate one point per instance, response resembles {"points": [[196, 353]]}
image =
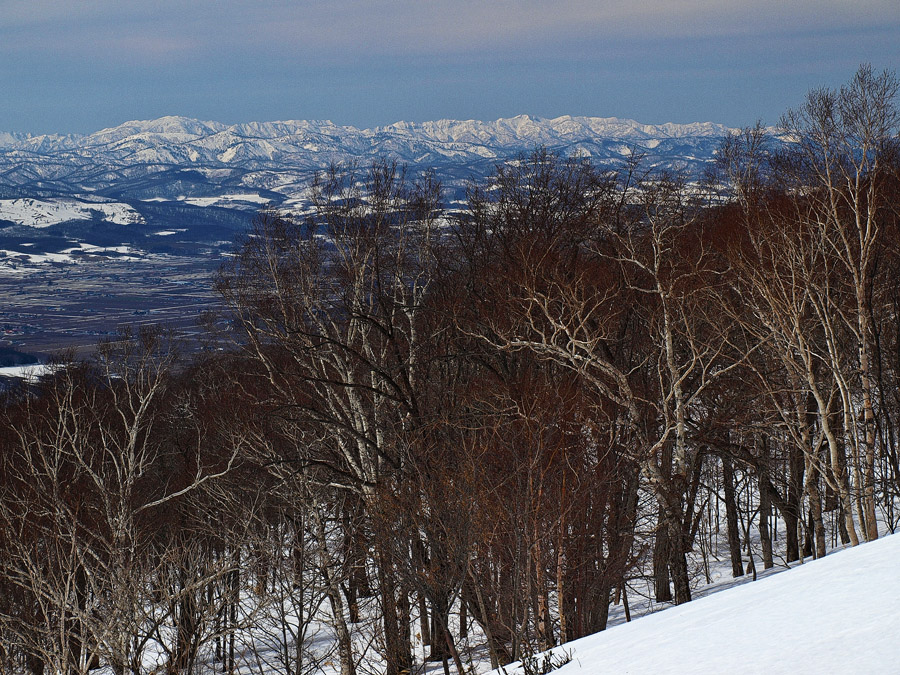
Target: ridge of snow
{"points": [[103, 160], [184, 130]]}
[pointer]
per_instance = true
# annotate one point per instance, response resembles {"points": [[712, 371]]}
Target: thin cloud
{"points": [[69, 65], [354, 28]]}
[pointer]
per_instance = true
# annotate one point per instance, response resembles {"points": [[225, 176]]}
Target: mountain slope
{"points": [[248, 154], [206, 180], [840, 614]]}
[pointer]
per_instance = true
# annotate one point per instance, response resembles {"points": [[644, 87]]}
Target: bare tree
{"points": [[331, 309], [637, 243], [89, 478], [843, 143]]}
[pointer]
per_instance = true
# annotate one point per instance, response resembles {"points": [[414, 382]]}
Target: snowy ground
{"points": [[27, 372], [837, 615], [42, 213], [840, 614], [12, 262]]}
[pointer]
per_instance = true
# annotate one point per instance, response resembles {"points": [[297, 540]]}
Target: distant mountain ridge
{"points": [[201, 182], [102, 160], [504, 131]]}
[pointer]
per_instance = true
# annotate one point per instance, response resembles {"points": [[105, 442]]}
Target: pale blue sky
{"points": [[81, 66]]}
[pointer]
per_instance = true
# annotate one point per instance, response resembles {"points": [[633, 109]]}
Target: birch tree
{"points": [[331, 309], [843, 143]]}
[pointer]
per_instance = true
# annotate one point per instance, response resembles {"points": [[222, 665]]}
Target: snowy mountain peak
{"points": [[520, 126], [284, 153]]}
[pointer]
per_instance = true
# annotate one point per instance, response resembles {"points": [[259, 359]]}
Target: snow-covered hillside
{"points": [[186, 141], [840, 614], [153, 169], [253, 155], [44, 213]]}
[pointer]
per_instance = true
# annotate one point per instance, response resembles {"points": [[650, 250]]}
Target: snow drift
{"points": [[840, 614]]}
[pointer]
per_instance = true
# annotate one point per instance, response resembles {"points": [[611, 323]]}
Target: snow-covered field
{"points": [[227, 200], [68, 255], [28, 372], [44, 213], [840, 614]]}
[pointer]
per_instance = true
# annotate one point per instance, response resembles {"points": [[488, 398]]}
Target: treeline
{"points": [[503, 419]]}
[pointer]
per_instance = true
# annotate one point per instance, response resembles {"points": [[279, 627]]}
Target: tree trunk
{"points": [[484, 618], [661, 561], [731, 519], [463, 619], [440, 614], [815, 509], [561, 587], [765, 536], [397, 652], [542, 605], [678, 563], [838, 466], [868, 488], [424, 623], [339, 622]]}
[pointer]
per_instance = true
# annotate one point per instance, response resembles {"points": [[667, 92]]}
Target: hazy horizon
{"points": [[655, 123], [367, 64]]}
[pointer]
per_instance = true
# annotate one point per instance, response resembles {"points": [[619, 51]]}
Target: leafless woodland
{"points": [[501, 419]]}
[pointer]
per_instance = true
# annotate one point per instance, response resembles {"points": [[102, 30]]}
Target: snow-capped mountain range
{"points": [[207, 179], [276, 155]]}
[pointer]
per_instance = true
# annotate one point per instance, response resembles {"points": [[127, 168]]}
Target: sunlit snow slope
{"points": [[840, 614]]}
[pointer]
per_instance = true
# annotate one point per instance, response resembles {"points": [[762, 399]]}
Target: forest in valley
{"points": [[495, 422]]}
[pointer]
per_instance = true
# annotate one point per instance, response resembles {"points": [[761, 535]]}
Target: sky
{"points": [[77, 67]]}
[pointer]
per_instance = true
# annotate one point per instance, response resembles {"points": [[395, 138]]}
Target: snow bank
{"points": [[840, 614]]}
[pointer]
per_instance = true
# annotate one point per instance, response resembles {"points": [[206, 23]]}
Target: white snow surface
{"points": [[29, 372], [281, 156], [181, 141], [252, 198], [840, 614], [8, 259], [44, 213]]}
